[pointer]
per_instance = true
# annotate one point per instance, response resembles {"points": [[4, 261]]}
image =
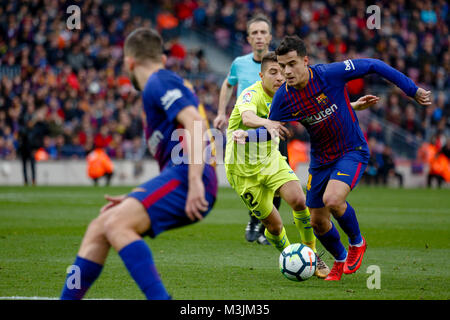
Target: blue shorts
{"points": [[165, 196], [348, 169]]}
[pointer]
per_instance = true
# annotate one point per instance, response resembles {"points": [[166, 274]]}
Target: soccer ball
{"points": [[297, 262]]}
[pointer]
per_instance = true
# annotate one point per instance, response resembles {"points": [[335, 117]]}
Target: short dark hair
{"points": [[259, 18], [268, 57], [144, 44], [291, 43]]}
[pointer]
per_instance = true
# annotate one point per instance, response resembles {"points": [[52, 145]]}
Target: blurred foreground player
{"points": [[182, 194]]}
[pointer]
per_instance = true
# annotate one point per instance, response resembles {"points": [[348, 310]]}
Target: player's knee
{"points": [[299, 203], [275, 228], [320, 226], [333, 201], [113, 226], [95, 229]]}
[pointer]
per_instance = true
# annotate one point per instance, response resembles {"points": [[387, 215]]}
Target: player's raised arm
{"points": [[250, 119], [196, 201], [226, 91], [357, 68]]}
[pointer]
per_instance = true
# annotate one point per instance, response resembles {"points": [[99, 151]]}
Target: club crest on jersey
{"points": [[247, 97], [322, 99]]}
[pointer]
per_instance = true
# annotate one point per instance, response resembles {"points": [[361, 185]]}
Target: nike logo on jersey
{"points": [[342, 174], [296, 113]]}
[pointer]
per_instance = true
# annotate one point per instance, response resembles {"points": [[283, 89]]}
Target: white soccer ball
{"points": [[297, 262]]}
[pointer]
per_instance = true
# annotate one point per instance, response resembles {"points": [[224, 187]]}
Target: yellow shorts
{"points": [[257, 191]]}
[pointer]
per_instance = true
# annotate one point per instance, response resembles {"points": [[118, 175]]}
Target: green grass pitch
{"points": [[407, 231]]}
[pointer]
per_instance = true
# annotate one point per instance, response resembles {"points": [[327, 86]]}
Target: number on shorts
{"points": [[249, 199], [308, 185]]}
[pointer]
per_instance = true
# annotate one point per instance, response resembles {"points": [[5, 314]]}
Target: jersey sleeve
{"points": [[342, 72], [232, 75], [247, 101], [171, 96]]}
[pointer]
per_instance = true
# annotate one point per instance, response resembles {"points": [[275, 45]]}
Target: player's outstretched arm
{"points": [[196, 201], [221, 121], [364, 102], [261, 134], [251, 120], [357, 68]]}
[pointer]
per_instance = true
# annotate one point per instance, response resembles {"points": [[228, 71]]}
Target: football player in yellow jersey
{"points": [[257, 171]]}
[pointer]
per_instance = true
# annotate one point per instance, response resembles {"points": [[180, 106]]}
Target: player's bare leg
{"points": [[125, 223], [123, 228], [334, 198], [90, 258], [275, 232], [292, 193], [94, 245]]}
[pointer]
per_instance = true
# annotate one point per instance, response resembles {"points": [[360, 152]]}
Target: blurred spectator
{"points": [[99, 165], [437, 159], [31, 130], [387, 167], [439, 169], [371, 173]]}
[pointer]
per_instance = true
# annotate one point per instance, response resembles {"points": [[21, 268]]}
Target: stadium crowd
{"points": [[66, 89]]}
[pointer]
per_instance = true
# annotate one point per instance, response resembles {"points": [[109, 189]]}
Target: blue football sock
{"points": [[350, 226], [332, 242], [139, 262], [87, 272]]}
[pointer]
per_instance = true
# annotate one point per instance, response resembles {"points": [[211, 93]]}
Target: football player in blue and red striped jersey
{"points": [[184, 191]]}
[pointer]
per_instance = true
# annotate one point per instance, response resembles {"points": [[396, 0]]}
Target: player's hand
{"points": [[221, 122], [365, 102], [112, 201], [277, 129], [240, 136], [196, 202], [423, 97]]}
